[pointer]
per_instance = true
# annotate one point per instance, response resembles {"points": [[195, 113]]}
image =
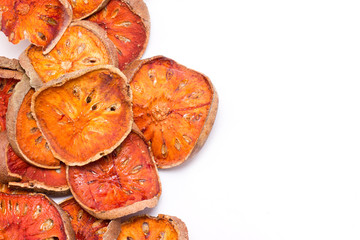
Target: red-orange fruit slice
{"points": [[84, 44], [175, 108], [87, 227], [127, 24], [23, 133], [41, 22], [121, 183], [32, 217], [21, 175], [5, 189], [84, 115], [10, 75], [84, 8], [146, 227]]}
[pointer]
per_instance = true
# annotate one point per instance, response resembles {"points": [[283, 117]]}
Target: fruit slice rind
{"points": [[35, 79], [39, 187], [99, 7], [5, 174], [74, 75], [11, 64], [131, 71]]}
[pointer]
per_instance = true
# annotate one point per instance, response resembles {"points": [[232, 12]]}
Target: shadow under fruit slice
{"points": [[87, 227], [84, 115], [175, 108], [84, 44], [42, 22], [124, 182], [84, 8], [162, 227], [21, 175], [127, 24], [32, 217], [23, 133]]}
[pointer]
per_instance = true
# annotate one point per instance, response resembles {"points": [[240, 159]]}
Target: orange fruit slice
{"points": [[146, 227], [84, 8], [23, 133], [175, 108], [87, 227], [32, 216], [41, 22], [121, 183], [84, 44], [84, 115], [127, 24]]}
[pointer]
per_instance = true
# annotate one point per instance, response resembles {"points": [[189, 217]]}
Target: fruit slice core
{"points": [[83, 8]]}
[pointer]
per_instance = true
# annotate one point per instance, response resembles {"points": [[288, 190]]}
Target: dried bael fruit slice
{"points": [[32, 217], [41, 22], [127, 24], [10, 75], [84, 8], [23, 133], [21, 175], [121, 183], [84, 115], [87, 227], [175, 108], [162, 227], [5, 189], [84, 44]]}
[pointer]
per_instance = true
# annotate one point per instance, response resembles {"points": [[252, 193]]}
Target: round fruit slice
{"points": [[21, 175], [32, 217], [127, 24], [84, 44], [87, 227], [23, 133], [84, 115], [121, 183], [175, 108], [146, 227], [10, 75], [41, 22], [84, 8]]}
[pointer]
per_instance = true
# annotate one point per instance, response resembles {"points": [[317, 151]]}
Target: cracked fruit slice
{"points": [[84, 8], [84, 44], [23, 133], [84, 115], [87, 227], [10, 75], [32, 217], [175, 108], [127, 24], [162, 227], [123, 182], [21, 175], [41, 22]]}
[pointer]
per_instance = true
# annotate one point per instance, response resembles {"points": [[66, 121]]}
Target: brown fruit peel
{"points": [[5, 174]]}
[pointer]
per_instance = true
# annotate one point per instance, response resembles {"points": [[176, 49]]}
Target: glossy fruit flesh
{"points": [[86, 227], [170, 104], [78, 48], [147, 228], [124, 28], [82, 8], [125, 176], [30, 217], [85, 116], [6, 89], [38, 21], [30, 139]]}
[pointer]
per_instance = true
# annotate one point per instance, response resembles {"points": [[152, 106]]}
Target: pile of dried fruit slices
{"points": [[82, 114]]}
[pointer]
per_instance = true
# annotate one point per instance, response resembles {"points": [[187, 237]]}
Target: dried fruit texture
{"points": [[84, 8], [153, 228], [42, 22], [24, 135], [84, 44], [5, 189], [175, 108], [127, 24], [84, 115], [32, 217], [121, 183], [87, 227]]}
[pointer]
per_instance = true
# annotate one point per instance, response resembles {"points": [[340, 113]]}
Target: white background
{"points": [[282, 160]]}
